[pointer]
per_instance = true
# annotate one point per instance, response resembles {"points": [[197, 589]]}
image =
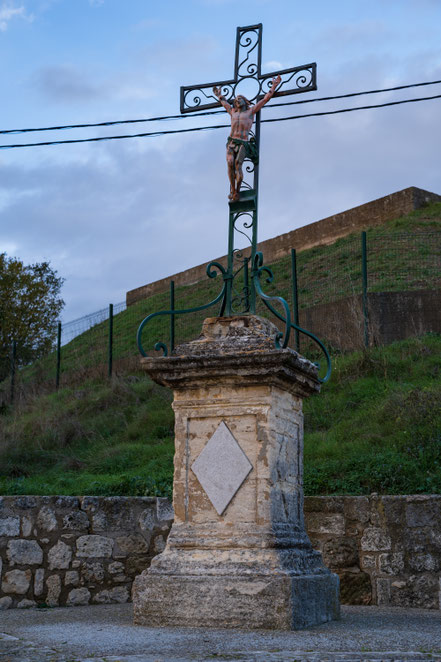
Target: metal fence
{"points": [[362, 290]]}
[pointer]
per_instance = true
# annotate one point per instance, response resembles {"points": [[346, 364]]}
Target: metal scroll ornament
{"points": [[242, 277]]}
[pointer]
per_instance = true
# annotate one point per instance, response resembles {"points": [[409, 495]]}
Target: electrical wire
{"points": [[213, 112], [354, 94], [218, 126]]}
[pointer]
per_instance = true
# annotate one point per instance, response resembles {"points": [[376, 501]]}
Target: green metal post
{"points": [[172, 317], [295, 295], [246, 285], [13, 359], [230, 267], [57, 375], [365, 288], [110, 355]]}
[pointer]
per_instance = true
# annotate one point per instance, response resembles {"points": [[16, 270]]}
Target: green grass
{"points": [[376, 427]]}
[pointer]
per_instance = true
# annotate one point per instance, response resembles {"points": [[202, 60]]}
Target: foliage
{"points": [[29, 309]]}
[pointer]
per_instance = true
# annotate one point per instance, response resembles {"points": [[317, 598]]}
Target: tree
{"points": [[29, 309]]}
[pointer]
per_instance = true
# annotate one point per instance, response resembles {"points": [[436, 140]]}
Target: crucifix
{"points": [[243, 96], [238, 554]]}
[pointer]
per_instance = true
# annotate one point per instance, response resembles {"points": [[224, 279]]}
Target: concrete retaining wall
{"points": [[76, 551], [319, 233], [392, 316]]}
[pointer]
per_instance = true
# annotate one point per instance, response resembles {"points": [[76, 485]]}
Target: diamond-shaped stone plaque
{"points": [[221, 468]]}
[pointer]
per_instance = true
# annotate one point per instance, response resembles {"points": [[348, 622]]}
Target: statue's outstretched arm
{"points": [[260, 104], [224, 102]]}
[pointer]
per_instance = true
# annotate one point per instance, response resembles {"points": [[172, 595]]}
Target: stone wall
{"points": [[319, 233], [74, 551], [386, 549]]}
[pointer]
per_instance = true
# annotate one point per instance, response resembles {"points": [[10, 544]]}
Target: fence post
{"points": [[110, 352], [295, 295], [172, 317], [365, 288], [13, 359], [57, 374]]}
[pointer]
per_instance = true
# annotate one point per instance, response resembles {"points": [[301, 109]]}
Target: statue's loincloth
{"points": [[250, 148]]}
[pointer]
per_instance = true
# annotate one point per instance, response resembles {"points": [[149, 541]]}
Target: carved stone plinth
{"points": [[238, 554]]}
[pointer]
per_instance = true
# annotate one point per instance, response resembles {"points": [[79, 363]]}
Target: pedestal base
{"points": [[276, 603], [238, 554]]}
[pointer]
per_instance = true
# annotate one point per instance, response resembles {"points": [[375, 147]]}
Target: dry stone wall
{"points": [[75, 551], [386, 549], [86, 550]]}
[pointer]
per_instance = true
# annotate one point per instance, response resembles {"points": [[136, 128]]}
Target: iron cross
{"points": [[248, 79]]}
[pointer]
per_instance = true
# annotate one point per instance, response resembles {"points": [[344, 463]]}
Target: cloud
{"points": [[9, 11], [65, 83]]}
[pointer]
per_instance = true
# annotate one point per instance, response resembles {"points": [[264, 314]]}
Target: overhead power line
{"points": [[218, 126], [213, 112]]}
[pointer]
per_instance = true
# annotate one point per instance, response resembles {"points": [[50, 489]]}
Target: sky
{"points": [[114, 215]]}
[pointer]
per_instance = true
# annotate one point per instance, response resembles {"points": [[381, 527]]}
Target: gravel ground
{"points": [[106, 633]]}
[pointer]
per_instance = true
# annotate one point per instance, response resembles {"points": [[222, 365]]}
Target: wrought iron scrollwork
{"points": [[161, 346], [258, 271]]}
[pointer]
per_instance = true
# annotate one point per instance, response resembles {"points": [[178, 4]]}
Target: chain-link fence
{"points": [[361, 290]]}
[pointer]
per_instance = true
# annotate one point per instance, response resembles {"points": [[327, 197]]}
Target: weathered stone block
{"points": [[325, 523], [281, 603], [16, 581], [26, 604], [423, 510], [9, 526], [369, 561], [77, 520], [25, 502], [115, 567], [92, 572], [38, 581], [418, 591], [59, 556], [53, 584], [375, 540], [98, 546], [24, 552], [340, 553], [26, 526], [147, 521], [71, 578], [128, 545], [424, 562], [164, 510], [78, 597], [319, 504], [5, 602], [357, 509], [119, 594], [391, 564], [383, 592], [46, 519]]}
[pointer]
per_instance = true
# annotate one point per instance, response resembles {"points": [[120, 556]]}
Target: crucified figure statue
{"points": [[239, 145]]}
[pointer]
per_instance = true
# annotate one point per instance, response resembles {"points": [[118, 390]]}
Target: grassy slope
{"points": [[376, 427], [326, 273]]}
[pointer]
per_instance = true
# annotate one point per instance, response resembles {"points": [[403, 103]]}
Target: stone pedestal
{"points": [[238, 554]]}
